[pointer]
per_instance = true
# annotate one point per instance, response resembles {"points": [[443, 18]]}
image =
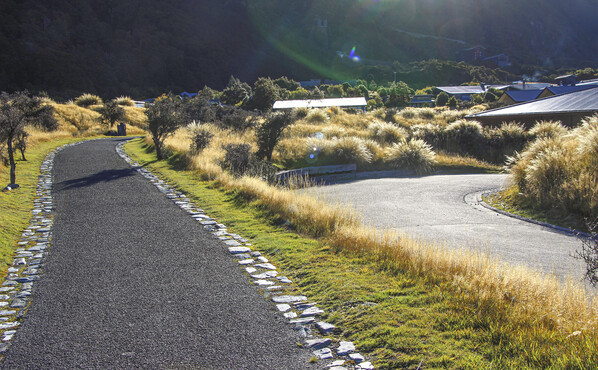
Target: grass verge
{"points": [[399, 314], [510, 201]]}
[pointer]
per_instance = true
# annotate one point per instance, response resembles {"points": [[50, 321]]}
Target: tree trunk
{"points": [[158, 146], [11, 160], [23, 154]]}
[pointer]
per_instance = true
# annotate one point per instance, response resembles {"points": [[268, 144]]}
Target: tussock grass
{"points": [[413, 154], [529, 319], [88, 100]]}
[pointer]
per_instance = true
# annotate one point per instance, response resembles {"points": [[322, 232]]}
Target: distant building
{"points": [[527, 85], [472, 54], [501, 60], [559, 90], [422, 100], [566, 80], [569, 108], [357, 103], [464, 93], [518, 96]]}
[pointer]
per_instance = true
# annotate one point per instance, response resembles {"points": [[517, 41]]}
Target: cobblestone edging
{"points": [[31, 251], [265, 276]]}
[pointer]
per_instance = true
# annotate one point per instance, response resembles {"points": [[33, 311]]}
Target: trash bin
{"points": [[122, 129]]}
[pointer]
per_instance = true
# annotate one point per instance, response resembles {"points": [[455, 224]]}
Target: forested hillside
{"points": [[143, 48]]}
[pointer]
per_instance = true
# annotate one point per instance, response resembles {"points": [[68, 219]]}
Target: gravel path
{"points": [[441, 208], [131, 281]]}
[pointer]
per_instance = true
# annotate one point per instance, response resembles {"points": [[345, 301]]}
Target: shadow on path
{"points": [[102, 176]]}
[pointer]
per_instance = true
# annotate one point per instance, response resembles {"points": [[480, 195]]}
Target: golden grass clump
{"points": [[76, 119], [386, 133], [559, 172], [349, 150], [88, 100], [544, 129], [317, 116], [414, 154], [125, 101]]}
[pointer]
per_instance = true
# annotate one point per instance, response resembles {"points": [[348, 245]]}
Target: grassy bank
{"points": [[403, 303]]}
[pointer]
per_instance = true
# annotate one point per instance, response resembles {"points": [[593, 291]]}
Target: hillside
{"points": [[142, 48]]}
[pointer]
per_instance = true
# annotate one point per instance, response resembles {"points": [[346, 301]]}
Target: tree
{"points": [[442, 99], [265, 92], [269, 132], [111, 112], [335, 91], [164, 117], [17, 111], [452, 102], [399, 94], [236, 92]]}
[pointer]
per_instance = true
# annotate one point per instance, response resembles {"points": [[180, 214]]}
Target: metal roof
{"points": [[477, 89], [320, 103], [520, 96], [558, 90], [579, 101]]}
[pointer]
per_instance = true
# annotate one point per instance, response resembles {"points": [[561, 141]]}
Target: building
{"points": [[464, 93], [566, 80], [518, 96], [426, 100], [357, 103], [569, 108], [562, 89]]}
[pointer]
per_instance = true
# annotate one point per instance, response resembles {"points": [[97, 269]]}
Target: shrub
{"points": [[268, 133], [442, 99], [386, 133], [464, 137], [301, 112], [431, 133], [111, 112], [87, 100], [236, 158], [232, 118], [349, 150], [125, 101], [544, 129], [317, 116], [414, 154], [589, 254], [426, 113], [200, 138], [164, 117]]}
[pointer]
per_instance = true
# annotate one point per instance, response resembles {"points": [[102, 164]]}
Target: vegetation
{"points": [[17, 111], [111, 112], [87, 100], [164, 117]]}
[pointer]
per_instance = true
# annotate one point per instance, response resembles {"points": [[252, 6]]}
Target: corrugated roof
{"points": [[320, 103], [558, 90], [477, 89], [580, 101], [520, 96]]}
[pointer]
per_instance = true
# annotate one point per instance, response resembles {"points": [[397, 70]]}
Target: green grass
{"points": [[509, 200], [16, 205], [397, 318]]}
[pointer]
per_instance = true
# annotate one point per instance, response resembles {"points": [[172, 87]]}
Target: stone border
{"points": [[30, 254], [477, 198], [280, 290]]}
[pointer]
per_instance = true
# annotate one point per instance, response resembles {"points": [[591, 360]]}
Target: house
{"points": [[566, 80], [426, 100], [518, 96], [562, 89], [527, 85], [357, 103], [570, 109], [464, 93], [472, 54]]}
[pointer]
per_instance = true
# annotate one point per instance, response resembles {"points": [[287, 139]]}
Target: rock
{"points": [[8, 325], [250, 270], [337, 363], [284, 279], [344, 348], [312, 311], [7, 312], [232, 243], [255, 254], [289, 298], [263, 259], [323, 354], [265, 275], [267, 266], [18, 303], [324, 327], [274, 288], [303, 330], [303, 320], [283, 307], [290, 315], [237, 250], [246, 262], [318, 343], [263, 282], [365, 366], [357, 357]]}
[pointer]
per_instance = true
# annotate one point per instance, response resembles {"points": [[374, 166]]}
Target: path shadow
{"points": [[102, 176]]}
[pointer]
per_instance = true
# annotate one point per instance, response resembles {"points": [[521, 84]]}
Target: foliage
{"points": [[265, 92], [442, 99], [414, 154], [269, 132], [386, 133], [452, 102], [589, 253], [399, 94], [17, 111], [125, 101], [335, 91], [547, 129], [200, 138], [87, 100], [236, 92], [237, 158], [233, 118], [111, 112], [164, 117]]}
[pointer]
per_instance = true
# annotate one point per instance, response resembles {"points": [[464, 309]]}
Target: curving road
{"points": [[442, 208]]}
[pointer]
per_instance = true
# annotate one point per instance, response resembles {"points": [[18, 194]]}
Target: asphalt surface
{"points": [[131, 281], [438, 209]]}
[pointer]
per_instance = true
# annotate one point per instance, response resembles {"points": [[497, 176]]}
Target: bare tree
{"points": [[589, 253]]}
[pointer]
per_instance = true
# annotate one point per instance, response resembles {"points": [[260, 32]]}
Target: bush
{"points": [[301, 112], [464, 137], [349, 150], [589, 253], [414, 154], [164, 117], [200, 138], [386, 133], [110, 113], [87, 100], [124, 101], [545, 129], [236, 158], [442, 99], [317, 116], [268, 133], [232, 118], [431, 133]]}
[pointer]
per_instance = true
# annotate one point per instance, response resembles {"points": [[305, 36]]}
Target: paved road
{"points": [[434, 208], [131, 281]]}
